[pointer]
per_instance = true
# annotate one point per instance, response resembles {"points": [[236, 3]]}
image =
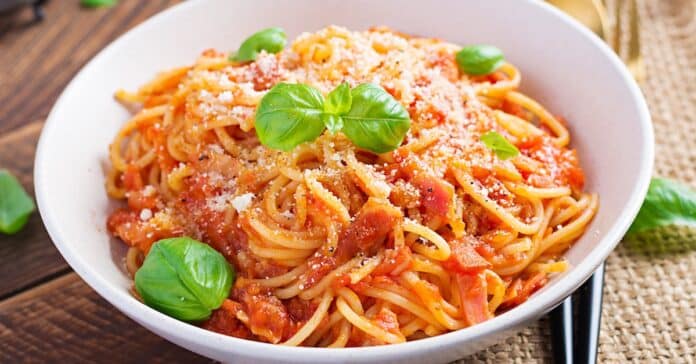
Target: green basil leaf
{"points": [[288, 115], [339, 100], [498, 144], [668, 239], [97, 3], [184, 278], [271, 40], [15, 204], [667, 203], [479, 59], [376, 121], [333, 122]]}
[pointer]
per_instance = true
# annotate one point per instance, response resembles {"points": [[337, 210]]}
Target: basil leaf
{"points": [[333, 122], [15, 204], [184, 278], [288, 115], [498, 144], [339, 100], [271, 40], [97, 3], [667, 203], [479, 59], [668, 239], [376, 121]]}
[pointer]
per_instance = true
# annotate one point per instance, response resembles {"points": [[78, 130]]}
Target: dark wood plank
{"points": [[28, 257], [38, 60], [65, 321]]}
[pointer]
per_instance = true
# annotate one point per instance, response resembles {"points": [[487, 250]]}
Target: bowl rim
{"points": [[537, 305]]}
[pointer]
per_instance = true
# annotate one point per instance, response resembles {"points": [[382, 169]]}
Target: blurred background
{"points": [[48, 314]]}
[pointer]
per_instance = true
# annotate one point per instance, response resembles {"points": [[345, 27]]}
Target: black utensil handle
{"points": [[589, 319], [562, 332]]}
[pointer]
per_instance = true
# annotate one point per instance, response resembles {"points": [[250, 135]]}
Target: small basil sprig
{"points": [[479, 60], [271, 40], [15, 204], [291, 114], [184, 278], [97, 3], [666, 203], [338, 102], [498, 144]]}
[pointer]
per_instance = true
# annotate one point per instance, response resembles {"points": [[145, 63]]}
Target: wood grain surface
{"points": [[31, 257], [65, 321], [47, 313]]}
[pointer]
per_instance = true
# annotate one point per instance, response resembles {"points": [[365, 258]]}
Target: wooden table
{"points": [[47, 313]]}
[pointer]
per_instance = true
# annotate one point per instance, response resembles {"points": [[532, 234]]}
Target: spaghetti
{"points": [[337, 246]]}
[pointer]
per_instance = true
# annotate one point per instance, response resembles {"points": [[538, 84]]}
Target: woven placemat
{"points": [[649, 311]]}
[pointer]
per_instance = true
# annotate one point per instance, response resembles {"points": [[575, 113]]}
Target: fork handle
{"points": [[589, 306], [562, 332]]}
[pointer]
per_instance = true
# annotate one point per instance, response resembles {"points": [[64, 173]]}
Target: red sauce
{"points": [[264, 77], [127, 225], [365, 234], [561, 165], [224, 320], [319, 266], [521, 289], [447, 65], [395, 262], [387, 320], [268, 317], [300, 310]]}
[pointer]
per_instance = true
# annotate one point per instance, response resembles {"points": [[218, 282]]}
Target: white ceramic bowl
{"points": [[563, 65]]}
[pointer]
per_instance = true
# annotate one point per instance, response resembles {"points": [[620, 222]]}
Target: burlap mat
{"points": [[649, 311]]}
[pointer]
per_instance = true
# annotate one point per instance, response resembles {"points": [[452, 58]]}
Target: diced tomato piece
{"points": [[526, 289], [300, 310], [436, 196], [395, 261], [126, 225], [530, 142], [474, 298], [479, 172], [319, 266], [131, 178], [224, 320], [576, 178], [514, 109], [138, 200], [341, 281], [268, 317], [464, 258], [368, 231]]}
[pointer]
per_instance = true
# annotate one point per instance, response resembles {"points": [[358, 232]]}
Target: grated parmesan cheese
{"points": [[148, 191], [225, 96], [242, 202], [218, 203], [288, 215], [145, 214]]}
